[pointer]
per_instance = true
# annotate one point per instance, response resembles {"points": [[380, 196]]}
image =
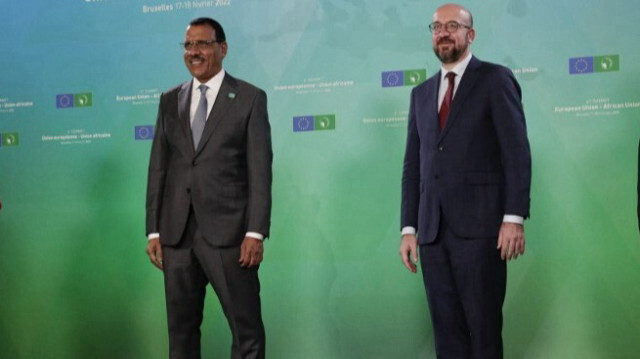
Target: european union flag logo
{"points": [[581, 65], [64, 100], [144, 132], [392, 78], [303, 123]]}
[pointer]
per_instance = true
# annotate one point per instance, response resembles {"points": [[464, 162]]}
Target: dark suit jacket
{"points": [[227, 180], [478, 168]]}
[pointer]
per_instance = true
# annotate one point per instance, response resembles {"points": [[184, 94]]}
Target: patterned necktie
{"points": [[446, 102], [200, 118]]}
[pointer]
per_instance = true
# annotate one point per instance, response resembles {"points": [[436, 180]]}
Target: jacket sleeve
{"points": [[411, 172], [509, 121], [259, 161], [157, 173]]}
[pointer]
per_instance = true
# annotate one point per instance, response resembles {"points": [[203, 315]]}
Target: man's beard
{"points": [[452, 55]]}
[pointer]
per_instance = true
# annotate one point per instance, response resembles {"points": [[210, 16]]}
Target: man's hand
{"points": [[511, 240], [154, 251], [250, 252], [409, 251]]}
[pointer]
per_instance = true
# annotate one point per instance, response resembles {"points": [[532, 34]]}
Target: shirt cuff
{"points": [[511, 218], [255, 235], [408, 230]]}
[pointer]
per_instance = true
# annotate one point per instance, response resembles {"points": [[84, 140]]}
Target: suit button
{"points": [[436, 176], [440, 148], [194, 163], [188, 190]]}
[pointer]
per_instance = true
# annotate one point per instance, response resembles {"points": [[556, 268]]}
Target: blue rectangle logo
{"points": [[392, 78], [144, 132], [581, 65], [64, 100], [303, 123]]}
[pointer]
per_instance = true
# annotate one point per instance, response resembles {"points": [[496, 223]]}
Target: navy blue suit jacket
{"points": [[478, 168]]}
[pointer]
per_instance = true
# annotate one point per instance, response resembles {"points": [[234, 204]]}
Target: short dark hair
{"points": [[213, 24]]}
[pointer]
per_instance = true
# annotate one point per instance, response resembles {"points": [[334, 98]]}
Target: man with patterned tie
{"points": [[209, 196], [465, 189]]}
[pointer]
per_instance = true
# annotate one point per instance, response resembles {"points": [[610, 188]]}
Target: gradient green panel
{"points": [[74, 279]]}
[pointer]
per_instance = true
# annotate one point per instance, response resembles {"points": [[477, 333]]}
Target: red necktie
{"points": [[446, 102]]}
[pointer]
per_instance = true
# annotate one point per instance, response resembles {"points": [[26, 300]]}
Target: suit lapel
{"points": [[224, 99], [430, 98], [184, 103], [467, 83]]}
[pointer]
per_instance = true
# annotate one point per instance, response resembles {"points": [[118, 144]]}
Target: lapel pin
{"points": [[232, 95]]}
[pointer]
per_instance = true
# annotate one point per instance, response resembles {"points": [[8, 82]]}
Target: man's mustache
{"points": [[445, 40]]}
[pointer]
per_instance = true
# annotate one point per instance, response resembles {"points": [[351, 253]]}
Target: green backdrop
{"points": [[79, 83]]}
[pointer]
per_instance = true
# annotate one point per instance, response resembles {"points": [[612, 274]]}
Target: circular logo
{"points": [[143, 132], [304, 123], [581, 65], [65, 101], [325, 122], [415, 77], [83, 100], [393, 79], [606, 63], [10, 140]]}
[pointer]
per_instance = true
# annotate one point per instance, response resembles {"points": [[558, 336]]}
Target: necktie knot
{"points": [[451, 77], [203, 89]]}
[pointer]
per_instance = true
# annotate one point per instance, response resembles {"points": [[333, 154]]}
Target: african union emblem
{"points": [[9, 139], [606, 63], [414, 77], [83, 99], [325, 122]]}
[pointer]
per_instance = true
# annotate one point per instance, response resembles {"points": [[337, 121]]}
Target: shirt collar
{"points": [[459, 68], [214, 83]]}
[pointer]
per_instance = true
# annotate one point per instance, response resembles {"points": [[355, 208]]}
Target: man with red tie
{"points": [[465, 189]]}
